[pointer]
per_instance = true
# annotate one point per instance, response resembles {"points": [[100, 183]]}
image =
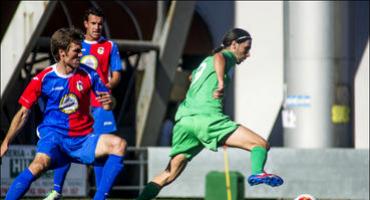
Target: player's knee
{"points": [[39, 165], [263, 143], [118, 145], [266, 145], [260, 142]]}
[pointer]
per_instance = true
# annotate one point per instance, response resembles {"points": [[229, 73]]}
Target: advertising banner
{"points": [[19, 157]]}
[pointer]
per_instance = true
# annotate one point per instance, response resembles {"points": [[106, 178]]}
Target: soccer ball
{"points": [[305, 197]]}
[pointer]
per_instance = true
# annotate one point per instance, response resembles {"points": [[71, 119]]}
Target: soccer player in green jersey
{"points": [[200, 121]]}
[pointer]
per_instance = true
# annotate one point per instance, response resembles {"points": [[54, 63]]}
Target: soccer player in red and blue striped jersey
{"points": [[101, 55], [66, 132]]}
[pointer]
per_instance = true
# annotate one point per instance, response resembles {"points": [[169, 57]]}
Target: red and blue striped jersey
{"points": [[66, 98], [102, 56]]}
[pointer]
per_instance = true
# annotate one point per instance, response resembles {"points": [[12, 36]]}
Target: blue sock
{"points": [[20, 185], [111, 169], [98, 170], [60, 174]]}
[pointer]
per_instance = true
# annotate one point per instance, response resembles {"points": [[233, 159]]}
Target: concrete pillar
{"points": [[309, 74]]}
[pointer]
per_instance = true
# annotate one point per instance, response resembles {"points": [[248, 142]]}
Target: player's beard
{"points": [[74, 63], [96, 35]]}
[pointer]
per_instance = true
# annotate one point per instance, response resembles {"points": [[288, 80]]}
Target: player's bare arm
{"points": [[16, 125], [219, 64], [105, 99], [113, 82]]}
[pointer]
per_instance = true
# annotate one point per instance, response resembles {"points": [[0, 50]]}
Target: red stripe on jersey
{"points": [[101, 51], [80, 122], [33, 89]]}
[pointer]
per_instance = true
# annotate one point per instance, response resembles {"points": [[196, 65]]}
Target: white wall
{"points": [[362, 102], [259, 79]]}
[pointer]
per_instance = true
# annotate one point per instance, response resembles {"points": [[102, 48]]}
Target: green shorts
{"points": [[192, 133]]}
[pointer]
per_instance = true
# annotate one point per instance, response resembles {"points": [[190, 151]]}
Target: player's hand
{"points": [[4, 149], [219, 92], [105, 99], [108, 85]]}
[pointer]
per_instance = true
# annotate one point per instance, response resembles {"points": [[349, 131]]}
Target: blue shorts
{"points": [[61, 148], [104, 121]]}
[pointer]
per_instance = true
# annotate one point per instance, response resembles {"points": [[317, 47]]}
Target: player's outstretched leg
{"points": [[258, 160], [248, 140], [20, 185], [174, 168], [114, 147], [23, 181]]}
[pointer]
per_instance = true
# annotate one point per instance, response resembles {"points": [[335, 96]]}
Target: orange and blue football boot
{"points": [[269, 179]]}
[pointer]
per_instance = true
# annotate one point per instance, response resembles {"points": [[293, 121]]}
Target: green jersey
{"points": [[199, 98]]}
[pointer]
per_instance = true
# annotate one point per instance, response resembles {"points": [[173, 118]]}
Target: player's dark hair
{"points": [[93, 11], [62, 39], [236, 34]]}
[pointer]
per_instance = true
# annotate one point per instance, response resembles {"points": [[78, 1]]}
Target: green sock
{"points": [[258, 159], [150, 191]]}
